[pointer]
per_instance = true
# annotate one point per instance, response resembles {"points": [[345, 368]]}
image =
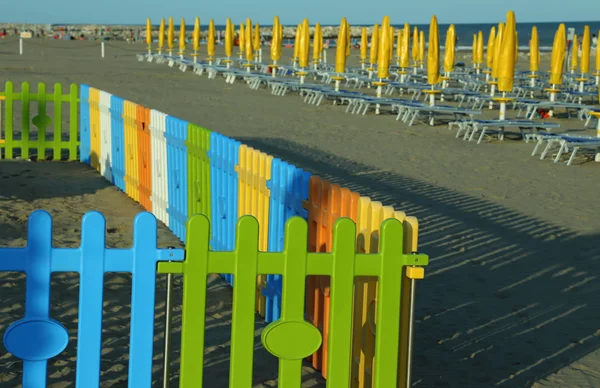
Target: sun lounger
{"points": [[566, 144], [531, 106], [469, 129], [410, 111]]}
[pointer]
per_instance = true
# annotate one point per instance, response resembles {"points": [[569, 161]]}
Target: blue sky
{"points": [[291, 12]]}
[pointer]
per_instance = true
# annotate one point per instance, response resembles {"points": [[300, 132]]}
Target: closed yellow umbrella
{"points": [[383, 56], [364, 43], [479, 50], [228, 42], [490, 48], [497, 49], [422, 48], [276, 42], [196, 37], [210, 40], [182, 37], [297, 43], [558, 56], [584, 65], [340, 50], [450, 49], [249, 49], [506, 61], [242, 40], [340, 53], [506, 68], [161, 35], [534, 51], [171, 35], [374, 48], [574, 53], [304, 44], [433, 53], [405, 52], [415, 46], [399, 46], [256, 43], [317, 41], [474, 50], [149, 35], [585, 52]]}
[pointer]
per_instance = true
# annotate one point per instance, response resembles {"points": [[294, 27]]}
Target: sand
{"points": [[510, 296]]}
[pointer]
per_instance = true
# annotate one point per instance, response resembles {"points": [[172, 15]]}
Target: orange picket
{"points": [[144, 156], [326, 203]]}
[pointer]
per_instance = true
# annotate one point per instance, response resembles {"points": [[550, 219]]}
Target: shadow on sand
{"points": [[507, 299]]}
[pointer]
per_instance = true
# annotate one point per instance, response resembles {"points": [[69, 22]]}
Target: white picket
{"points": [[106, 162], [160, 189]]}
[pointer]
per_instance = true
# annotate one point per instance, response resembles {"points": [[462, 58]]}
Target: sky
{"points": [[291, 12]]}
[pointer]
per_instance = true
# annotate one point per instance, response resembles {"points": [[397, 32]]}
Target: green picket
{"points": [[198, 145], [291, 338]]}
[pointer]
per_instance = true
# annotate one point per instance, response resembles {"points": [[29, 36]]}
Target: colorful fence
{"points": [[177, 169], [47, 137], [37, 337]]}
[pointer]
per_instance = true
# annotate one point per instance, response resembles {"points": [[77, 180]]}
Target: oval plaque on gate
{"points": [[291, 340], [36, 340]]}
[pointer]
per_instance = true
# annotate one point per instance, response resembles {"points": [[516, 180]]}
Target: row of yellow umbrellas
{"points": [[381, 46]]}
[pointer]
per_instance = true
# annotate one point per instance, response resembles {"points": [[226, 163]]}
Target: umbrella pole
{"points": [[274, 69], [552, 99], [378, 96], [503, 107], [492, 92]]}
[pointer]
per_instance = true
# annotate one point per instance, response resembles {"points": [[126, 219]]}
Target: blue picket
{"points": [[36, 338], [84, 124], [117, 128], [224, 156], [289, 188], [177, 165]]}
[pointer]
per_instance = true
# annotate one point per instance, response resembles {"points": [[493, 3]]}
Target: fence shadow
{"points": [[507, 300]]}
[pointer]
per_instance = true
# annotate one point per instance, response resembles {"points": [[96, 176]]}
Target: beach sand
{"points": [[509, 299]]}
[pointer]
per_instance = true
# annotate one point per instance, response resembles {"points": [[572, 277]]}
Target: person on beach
{"points": [[594, 41]]}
